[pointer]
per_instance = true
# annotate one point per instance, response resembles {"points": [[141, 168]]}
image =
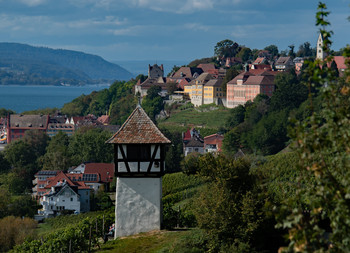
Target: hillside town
{"points": [[58, 191], [203, 84], [226, 154]]}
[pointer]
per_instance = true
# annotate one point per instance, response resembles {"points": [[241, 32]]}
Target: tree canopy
{"points": [[226, 48], [321, 223], [273, 50]]}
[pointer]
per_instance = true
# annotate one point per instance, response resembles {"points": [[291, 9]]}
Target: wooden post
{"points": [[89, 250], [96, 227], [103, 225]]}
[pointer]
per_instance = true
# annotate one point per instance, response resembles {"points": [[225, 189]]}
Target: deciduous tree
{"points": [[321, 224], [88, 145], [273, 50], [226, 48]]}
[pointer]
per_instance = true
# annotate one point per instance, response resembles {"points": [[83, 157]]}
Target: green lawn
{"points": [[155, 241], [200, 117]]}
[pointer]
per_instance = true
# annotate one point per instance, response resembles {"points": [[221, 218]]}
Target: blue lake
{"points": [[26, 98]]}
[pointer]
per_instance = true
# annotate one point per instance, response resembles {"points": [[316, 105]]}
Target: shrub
{"points": [[14, 230]]}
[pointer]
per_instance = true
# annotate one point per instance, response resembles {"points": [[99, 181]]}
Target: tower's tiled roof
{"points": [[138, 129]]}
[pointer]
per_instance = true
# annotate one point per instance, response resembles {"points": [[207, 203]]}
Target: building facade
{"points": [[18, 125], [247, 85]]}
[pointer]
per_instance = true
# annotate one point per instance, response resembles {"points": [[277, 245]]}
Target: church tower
{"points": [[155, 71], [320, 54], [139, 154]]}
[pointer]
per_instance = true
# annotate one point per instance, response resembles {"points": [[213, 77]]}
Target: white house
{"points": [[64, 194], [61, 197]]}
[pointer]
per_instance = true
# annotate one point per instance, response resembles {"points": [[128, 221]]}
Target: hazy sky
{"points": [[166, 29]]}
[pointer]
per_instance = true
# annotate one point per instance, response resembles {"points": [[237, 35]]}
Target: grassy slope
{"points": [[155, 241], [197, 117]]}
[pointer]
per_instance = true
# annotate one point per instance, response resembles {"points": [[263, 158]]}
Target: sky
{"points": [[181, 30]]}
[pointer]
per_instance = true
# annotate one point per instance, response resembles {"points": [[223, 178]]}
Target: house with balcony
{"points": [[64, 194], [64, 197], [213, 143], [284, 63], [40, 181]]}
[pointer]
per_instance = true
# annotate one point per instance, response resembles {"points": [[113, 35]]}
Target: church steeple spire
{"points": [[320, 54]]}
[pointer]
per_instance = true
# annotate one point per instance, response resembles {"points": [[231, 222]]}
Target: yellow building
{"points": [[213, 92], [197, 89], [188, 89]]}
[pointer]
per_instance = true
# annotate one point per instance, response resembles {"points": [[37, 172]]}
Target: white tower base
{"points": [[138, 205]]}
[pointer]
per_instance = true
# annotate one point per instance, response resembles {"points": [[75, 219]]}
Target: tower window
{"points": [[138, 152]]}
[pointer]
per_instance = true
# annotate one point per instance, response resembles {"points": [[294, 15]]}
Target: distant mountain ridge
{"points": [[23, 59]]}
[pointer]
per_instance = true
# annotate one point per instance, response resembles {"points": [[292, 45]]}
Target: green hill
{"points": [[21, 61], [206, 117]]}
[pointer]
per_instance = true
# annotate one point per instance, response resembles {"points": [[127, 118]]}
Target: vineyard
{"points": [[71, 234]]}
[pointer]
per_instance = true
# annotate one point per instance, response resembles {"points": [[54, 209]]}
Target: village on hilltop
{"points": [[198, 85]]}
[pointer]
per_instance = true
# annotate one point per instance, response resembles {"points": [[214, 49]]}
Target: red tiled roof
{"points": [[186, 72], [63, 177], [211, 139], [261, 66], [243, 75], [187, 135], [283, 60], [340, 61], [104, 119], [105, 170], [256, 71], [59, 177], [214, 139], [259, 60], [184, 82], [213, 72], [78, 118], [138, 129], [206, 66], [255, 77], [259, 80]]}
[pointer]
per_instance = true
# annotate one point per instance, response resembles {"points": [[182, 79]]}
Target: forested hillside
{"points": [[24, 63]]}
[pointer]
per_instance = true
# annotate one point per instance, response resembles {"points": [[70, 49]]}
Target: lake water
{"points": [[26, 98]]}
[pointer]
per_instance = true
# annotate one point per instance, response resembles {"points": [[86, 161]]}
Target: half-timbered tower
{"points": [[139, 153]]}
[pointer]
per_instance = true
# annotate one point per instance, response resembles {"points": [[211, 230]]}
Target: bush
{"points": [[190, 164], [194, 242], [14, 230]]}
